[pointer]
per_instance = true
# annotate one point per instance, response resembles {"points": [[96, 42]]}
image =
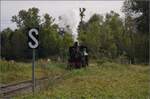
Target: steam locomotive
{"points": [[78, 56]]}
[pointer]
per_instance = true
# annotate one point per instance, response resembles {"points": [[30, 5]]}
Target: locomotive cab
{"points": [[78, 56]]}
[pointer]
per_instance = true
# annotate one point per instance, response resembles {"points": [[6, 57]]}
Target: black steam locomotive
{"points": [[78, 56]]}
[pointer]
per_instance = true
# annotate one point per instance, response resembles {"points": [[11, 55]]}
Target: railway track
{"points": [[11, 89]]}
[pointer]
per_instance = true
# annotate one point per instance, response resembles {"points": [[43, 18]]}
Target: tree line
{"points": [[107, 37], [113, 37], [52, 42]]}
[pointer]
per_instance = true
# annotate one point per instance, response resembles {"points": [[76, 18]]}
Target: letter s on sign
{"points": [[34, 39]]}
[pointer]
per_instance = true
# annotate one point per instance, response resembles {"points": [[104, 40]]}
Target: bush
{"points": [[103, 60]]}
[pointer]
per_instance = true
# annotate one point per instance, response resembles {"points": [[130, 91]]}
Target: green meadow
{"points": [[98, 81]]}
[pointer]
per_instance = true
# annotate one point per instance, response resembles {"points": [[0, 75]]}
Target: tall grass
{"points": [[98, 81], [11, 71]]}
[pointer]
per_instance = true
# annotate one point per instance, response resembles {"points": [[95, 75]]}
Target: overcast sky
{"points": [[68, 9]]}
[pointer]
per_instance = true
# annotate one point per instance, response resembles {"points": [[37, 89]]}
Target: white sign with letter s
{"points": [[33, 42]]}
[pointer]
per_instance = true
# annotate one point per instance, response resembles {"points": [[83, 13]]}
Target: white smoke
{"points": [[72, 19]]}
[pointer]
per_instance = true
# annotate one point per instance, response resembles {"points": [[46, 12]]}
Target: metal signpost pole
{"points": [[33, 44], [33, 71]]}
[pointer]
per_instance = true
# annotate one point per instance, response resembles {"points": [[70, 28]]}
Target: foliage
{"points": [[108, 36], [14, 43], [112, 37], [27, 19], [100, 34], [141, 10]]}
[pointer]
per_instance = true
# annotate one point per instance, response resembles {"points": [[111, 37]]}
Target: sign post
{"points": [[33, 44], [33, 70]]}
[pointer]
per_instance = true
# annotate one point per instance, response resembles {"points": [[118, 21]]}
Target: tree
{"points": [[52, 43], [14, 43], [6, 36], [113, 27], [18, 45], [98, 34], [24, 21], [27, 19], [140, 9]]}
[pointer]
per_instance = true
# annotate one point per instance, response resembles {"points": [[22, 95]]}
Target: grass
{"points": [[11, 72], [97, 81]]}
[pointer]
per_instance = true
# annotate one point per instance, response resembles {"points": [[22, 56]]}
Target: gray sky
{"points": [[68, 9]]}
